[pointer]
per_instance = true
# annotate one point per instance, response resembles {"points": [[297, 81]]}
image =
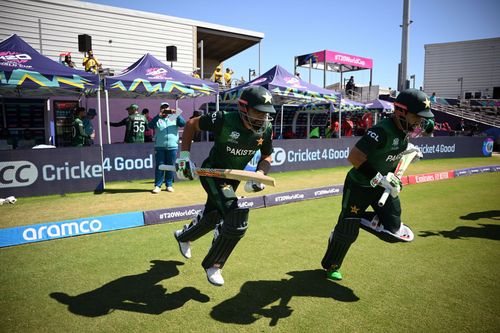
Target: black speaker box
{"points": [[84, 43], [171, 53]]}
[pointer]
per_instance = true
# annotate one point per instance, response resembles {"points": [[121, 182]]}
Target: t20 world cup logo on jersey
{"points": [[233, 137]]}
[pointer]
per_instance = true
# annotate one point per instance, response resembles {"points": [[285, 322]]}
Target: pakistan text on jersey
{"points": [[240, 152]]}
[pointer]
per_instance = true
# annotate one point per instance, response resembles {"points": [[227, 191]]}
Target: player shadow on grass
{"points": [[249, 305], [487, 231], [488, 214], [138, 293]]}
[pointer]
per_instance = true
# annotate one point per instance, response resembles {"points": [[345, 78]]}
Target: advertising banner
{"points": [[128, 161], [65, 170], [50, 171], [171, 214], [294, 196], [77, 227], [430, 177], [168, 215]]}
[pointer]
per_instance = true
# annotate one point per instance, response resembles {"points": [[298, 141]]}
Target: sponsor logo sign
{"points": [[77, 227], [430, 177], [488, 147], [171, 214]]}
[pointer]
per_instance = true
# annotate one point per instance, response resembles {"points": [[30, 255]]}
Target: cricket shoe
{"points": [[403, 234], [184, 247], [156, 190], [333, 274], [170, 189], [214, 276]]}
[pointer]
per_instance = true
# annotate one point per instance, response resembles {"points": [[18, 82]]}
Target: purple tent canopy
{"points": [[24, 71], [149, 77], [285, 88], [380, 104]]}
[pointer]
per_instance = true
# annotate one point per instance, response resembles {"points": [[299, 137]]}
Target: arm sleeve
{"points": [[123, 122], [373, 139], [212, 122], [181, 122], [152, 123]]}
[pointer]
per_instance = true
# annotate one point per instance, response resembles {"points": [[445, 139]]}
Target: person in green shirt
{"points": [[78, 136], [135, 125], [375, 158], [238, 137]]}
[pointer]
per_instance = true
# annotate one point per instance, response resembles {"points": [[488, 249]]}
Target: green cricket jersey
{"points": [[234, 144], [383, 145], [135, 127], [78, 135]]}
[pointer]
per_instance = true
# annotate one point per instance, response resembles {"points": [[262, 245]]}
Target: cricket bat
{"points": [[241, 175], [403, 164]]}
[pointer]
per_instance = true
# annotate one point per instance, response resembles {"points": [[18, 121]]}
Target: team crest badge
{"points": [[233, 137], [395, 143]]}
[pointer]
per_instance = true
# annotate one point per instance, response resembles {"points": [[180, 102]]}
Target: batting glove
{"points": [[419, 155], [185, 168], [253, 186], [390, 182]]}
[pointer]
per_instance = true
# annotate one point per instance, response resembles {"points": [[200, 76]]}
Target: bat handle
{"points": [[383, 197]]}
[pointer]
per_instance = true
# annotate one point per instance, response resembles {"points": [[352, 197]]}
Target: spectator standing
{"points": [[227, 77], [89, 127], [350, 86], [135, 125], [433, 97], [68, 62], [348, 126], [166, 126], [217, 76], [91, 63], [148, 133], [79, 137], [196, 73]]}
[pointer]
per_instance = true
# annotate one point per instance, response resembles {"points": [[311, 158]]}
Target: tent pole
{"points": [[106, 95], [340, 119], [281, 122], [99, 114]]}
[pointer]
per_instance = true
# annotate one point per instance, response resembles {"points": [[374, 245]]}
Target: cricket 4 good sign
{"points": [[50, 171]]}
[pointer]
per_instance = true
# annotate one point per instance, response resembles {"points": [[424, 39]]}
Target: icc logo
{"points": [[279, 156], [17, 174]]}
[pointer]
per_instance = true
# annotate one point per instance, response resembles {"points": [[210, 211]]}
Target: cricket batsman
{"points": [[238, 136], [375, 158]]}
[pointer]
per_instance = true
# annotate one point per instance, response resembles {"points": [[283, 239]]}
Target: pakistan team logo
{"points": [[233, 137], [395, 143]]}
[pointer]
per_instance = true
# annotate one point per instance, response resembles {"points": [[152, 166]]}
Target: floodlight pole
{"points": [[404, 45]]}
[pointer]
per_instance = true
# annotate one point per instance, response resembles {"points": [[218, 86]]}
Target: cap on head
{"points": [[259, 98], [133, 107], [414, 101], [164, 105]]}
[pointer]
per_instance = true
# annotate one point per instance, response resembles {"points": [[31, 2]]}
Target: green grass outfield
{"points": [[444, 281]]}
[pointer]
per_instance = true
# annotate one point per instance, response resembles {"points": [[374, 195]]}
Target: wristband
{"points": [[366, 169], [264, 166]]}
